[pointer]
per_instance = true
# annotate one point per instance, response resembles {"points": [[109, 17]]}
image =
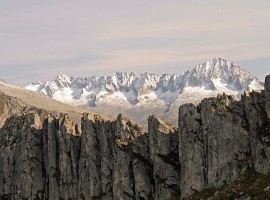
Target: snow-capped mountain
{"points": [[139, 95]]}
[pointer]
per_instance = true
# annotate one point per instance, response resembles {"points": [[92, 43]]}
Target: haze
{"points": [[39, 39]]}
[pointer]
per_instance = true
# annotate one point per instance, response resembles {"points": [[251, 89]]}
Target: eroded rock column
{"points": [[163, 144]]}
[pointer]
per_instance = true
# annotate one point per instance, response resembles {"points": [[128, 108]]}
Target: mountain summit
{"points": [[138, 95]]}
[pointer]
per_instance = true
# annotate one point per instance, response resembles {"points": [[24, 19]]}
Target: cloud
{"points": [[95, 37]]}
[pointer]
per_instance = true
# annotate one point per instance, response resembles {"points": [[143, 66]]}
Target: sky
{"points": [[40, 39]]}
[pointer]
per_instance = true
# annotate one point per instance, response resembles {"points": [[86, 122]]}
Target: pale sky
{"points": [[39, 39]]}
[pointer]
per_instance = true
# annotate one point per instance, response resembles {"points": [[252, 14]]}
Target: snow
{"points": [[32, 87], [150, 92], [64, 95]]}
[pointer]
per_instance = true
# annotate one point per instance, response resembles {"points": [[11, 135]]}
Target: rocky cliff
{"points": [[48, 157]]}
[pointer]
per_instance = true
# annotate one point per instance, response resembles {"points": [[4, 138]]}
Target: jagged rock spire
{"points": [[267, 83]]}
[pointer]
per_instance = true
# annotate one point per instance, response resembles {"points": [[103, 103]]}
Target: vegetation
{"points": [[251, 186]]}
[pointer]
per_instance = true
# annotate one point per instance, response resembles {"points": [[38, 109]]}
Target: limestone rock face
{"points": [[221, 138], [214, 144], [267, 83], [163, 146], [44, 157], [267, 95], [61, 151], [48, 157], [21, 158], [9, 106], [257, 108], [191, 150]]}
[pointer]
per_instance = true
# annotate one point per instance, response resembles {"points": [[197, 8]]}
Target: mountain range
{"points": [[140, 95], [219, 149], [15, 101]]}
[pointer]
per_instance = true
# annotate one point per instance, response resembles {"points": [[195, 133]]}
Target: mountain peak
{"points": [[62, 76], [218, 63], [221, 68], [218, 60], [63, 80], [135, 94]]}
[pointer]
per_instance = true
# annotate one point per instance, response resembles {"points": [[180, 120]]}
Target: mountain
{"points": [[138, 95], [16, 100], [220, 150]]}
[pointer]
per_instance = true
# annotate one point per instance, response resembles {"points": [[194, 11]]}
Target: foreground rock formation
{"points": [[48, 157]]}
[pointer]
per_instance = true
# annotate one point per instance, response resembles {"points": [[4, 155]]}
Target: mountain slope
{"points": [[15, 100], [139, 95]]}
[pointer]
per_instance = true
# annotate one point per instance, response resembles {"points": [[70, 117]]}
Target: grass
{"points": [[251, 185]]}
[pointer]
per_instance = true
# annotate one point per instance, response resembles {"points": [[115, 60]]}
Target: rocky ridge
{"points": [[46, 157], [15, 100], [137, 95]]}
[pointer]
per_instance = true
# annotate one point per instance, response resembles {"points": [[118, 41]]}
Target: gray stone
{"points": [[163, 144], [267, 83], [47, 157]]}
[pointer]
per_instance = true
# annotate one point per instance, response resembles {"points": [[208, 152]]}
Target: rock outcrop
{"points": [[48, 157], [221, 138], [9, 106], [163, 146], [214, 144], [267, 83]]}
